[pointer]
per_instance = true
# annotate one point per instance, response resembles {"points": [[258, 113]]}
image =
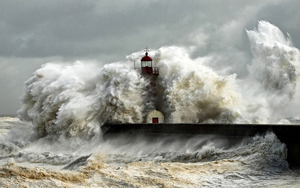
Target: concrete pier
{"points": [[288, 134]]}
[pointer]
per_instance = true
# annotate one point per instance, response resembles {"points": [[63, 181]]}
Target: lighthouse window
{"points": [[146, 63]]}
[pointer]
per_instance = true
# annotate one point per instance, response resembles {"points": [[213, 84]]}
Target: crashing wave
{"points": [[73, 100]]}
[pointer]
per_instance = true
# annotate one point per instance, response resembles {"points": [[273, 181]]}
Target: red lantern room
{"points": [[147, 65]]}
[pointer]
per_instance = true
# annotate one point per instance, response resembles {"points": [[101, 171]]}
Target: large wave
{"points": [[194, 93], [275, 67], [73, 100]]}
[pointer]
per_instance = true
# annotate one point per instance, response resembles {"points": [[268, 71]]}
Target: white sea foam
{"points": [[74, 99], [274, 71], [194, 93], [201, 160]]}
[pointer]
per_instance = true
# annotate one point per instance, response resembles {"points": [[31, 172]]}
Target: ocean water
{"points": [[56, 141], [172, 161]]}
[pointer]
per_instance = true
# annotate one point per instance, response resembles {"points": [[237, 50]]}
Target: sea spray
{"points": [[189, 92], [265, 150], [275, 65], [194, 93], [74, 99]]}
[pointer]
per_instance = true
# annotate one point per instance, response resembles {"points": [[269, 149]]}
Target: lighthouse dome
{"points": [[146, 58]]}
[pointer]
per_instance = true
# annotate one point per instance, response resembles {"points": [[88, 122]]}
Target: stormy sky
{"points": [[35, 32]]}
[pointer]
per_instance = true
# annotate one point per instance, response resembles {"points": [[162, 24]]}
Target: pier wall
{"points": [[288, 134]]}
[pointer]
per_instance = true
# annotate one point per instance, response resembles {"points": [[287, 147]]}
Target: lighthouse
{"points": [[147, 68], [151, 72]]}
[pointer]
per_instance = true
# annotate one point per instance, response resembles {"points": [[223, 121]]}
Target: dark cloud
{"points": [[284, 15], [76, 28]]}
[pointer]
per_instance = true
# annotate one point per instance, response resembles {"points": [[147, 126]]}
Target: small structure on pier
{"points": [[155, 117]]}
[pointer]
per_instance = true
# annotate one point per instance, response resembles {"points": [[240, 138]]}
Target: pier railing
{"points": [[155, 71]]}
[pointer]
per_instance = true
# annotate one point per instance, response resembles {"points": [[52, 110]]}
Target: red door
{"points": [[155, 120]]}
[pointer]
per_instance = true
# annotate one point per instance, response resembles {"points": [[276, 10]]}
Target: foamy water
{"points": [[58, 141], [173, 161]]}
